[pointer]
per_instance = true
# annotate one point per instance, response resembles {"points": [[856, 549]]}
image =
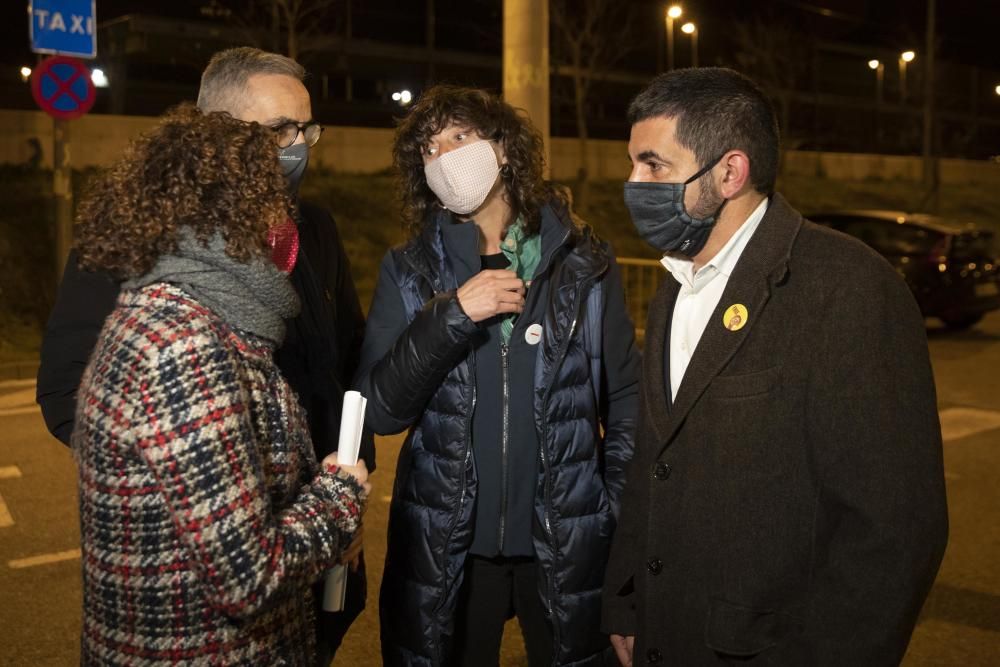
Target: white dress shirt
{"points": [[700, 293]]}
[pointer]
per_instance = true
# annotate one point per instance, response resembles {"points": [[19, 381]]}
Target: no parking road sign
{"points": [[62, 87]]}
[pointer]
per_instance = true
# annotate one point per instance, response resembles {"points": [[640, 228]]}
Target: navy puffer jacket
{"points": [[426, 382]]}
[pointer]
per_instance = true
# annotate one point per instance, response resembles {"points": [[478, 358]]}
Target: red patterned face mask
{"points": [[284, 242]]}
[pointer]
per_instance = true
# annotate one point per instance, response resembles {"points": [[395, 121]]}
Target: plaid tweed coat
{"points": [[203, 519]]}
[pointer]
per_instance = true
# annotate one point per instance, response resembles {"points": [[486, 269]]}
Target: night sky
{"points": [[966, 28]]}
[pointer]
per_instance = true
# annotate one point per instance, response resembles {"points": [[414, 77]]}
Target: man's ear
{"points": [[736, 176]]}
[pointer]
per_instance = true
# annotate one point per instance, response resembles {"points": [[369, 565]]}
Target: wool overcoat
{"points": [[788, 507]]}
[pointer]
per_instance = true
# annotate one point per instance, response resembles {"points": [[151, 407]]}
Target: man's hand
{"points": [[352, 555], [490, 293], [623, 648]]}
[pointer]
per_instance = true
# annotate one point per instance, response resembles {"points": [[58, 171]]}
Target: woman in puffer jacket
{"points": [[498, 335]]}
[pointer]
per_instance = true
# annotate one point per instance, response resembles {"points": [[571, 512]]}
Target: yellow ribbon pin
{"points": [[735, 317]]}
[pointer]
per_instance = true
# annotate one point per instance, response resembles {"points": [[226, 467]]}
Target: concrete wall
{"points": [[99, 139]]}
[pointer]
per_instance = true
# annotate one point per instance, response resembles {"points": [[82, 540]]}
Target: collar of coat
{"points": [[586, 254], [763, 265]]}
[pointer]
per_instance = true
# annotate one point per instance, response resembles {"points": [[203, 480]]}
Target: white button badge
{"points": [[533, 334]]}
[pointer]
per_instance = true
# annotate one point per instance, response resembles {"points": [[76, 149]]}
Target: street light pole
{"points": [[673, 12], [904, 57], [931, 175], [692, 30], [879, 68]]}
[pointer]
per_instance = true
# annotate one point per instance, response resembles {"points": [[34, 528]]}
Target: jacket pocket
{"points": [[735, 630], [745, 385]]}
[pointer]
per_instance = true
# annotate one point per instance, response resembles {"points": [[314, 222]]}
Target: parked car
{"points": [[951, 269]]}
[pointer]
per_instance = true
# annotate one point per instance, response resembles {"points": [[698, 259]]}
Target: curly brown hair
{"points": [[207, 172], [491, 118]]}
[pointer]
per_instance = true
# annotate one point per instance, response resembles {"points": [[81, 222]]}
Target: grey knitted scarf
{"points": [[254, 297]]}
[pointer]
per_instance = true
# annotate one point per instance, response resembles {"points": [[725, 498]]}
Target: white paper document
{"points": [[352, 422]]}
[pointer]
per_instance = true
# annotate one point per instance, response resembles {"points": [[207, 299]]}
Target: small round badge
{"points": [[533, 334], [735, 317]]}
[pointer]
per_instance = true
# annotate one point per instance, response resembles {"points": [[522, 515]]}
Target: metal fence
{"points": [[640, 278]]}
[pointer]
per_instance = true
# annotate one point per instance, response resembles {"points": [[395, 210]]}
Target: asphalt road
{"points": [[39, 559]]}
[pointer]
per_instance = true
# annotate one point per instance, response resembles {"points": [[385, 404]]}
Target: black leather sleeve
{"points": [[403, 364], [83, 302]]}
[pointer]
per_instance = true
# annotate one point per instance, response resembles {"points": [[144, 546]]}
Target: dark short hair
{"points": [[717, 110], [224, 81], [491, 118]]}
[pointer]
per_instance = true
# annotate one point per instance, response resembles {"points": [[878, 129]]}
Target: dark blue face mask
{"points": [[662, 220], [294, 160]]}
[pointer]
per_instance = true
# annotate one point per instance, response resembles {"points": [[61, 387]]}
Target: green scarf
{"points": [[523, 252]]}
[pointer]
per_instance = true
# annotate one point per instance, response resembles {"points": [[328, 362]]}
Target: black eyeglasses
{"points": [[287, 133]]}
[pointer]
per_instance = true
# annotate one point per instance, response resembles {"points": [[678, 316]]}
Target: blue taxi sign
{"points": [[63, 27]]}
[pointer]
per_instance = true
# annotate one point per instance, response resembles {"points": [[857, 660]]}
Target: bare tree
{"points": [[296, 28], [776, 57], [589, 37]]}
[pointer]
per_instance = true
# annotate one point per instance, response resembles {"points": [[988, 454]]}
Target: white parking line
{"points": [[6, 520], [43, 559], [7, 472], [13, 412], [17, 384], [957, 423]]}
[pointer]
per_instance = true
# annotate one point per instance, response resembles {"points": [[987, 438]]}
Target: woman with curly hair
{"points": [[498, 336], [204, 514]]}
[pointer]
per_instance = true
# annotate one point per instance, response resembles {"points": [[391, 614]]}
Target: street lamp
{"points": [[997, 90], [691, 29], [904, 57], [673, 12], [25, 73], [404, 97], [99, 78]]}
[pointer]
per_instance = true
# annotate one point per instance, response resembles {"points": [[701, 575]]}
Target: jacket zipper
{"points": [[461, 504], [550, 585], [504, 438], [465, 464]]}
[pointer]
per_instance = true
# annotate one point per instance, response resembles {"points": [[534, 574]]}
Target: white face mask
{"points": [[462, 178]]}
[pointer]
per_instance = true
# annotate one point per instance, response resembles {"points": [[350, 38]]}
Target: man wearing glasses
{"points": [[322, 344]]}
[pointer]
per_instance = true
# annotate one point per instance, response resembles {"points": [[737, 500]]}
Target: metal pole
{"points": [[62, 191], [879, 83], [930, 164], [902, 80], [670, 43], [526, 62], [430, 41]]}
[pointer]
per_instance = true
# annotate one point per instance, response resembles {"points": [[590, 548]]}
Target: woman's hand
{"points": [[490, 293], [359, 472]]}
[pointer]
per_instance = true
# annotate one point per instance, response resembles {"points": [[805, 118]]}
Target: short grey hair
{"points": [[224, 81]]}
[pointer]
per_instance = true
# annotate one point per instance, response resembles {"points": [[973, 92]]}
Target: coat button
{"points": [[654, 565], [653, 655], [661, 471]]}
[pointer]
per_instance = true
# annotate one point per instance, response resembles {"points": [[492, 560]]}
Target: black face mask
{"points": [[662, 220], [294, 161]]}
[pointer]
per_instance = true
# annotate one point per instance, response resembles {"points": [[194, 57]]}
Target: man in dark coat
{"points": [[786, 503], [322, 345]]}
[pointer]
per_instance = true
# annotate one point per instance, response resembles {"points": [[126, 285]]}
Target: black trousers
{"points": [[332, 626], [494, 590]]}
